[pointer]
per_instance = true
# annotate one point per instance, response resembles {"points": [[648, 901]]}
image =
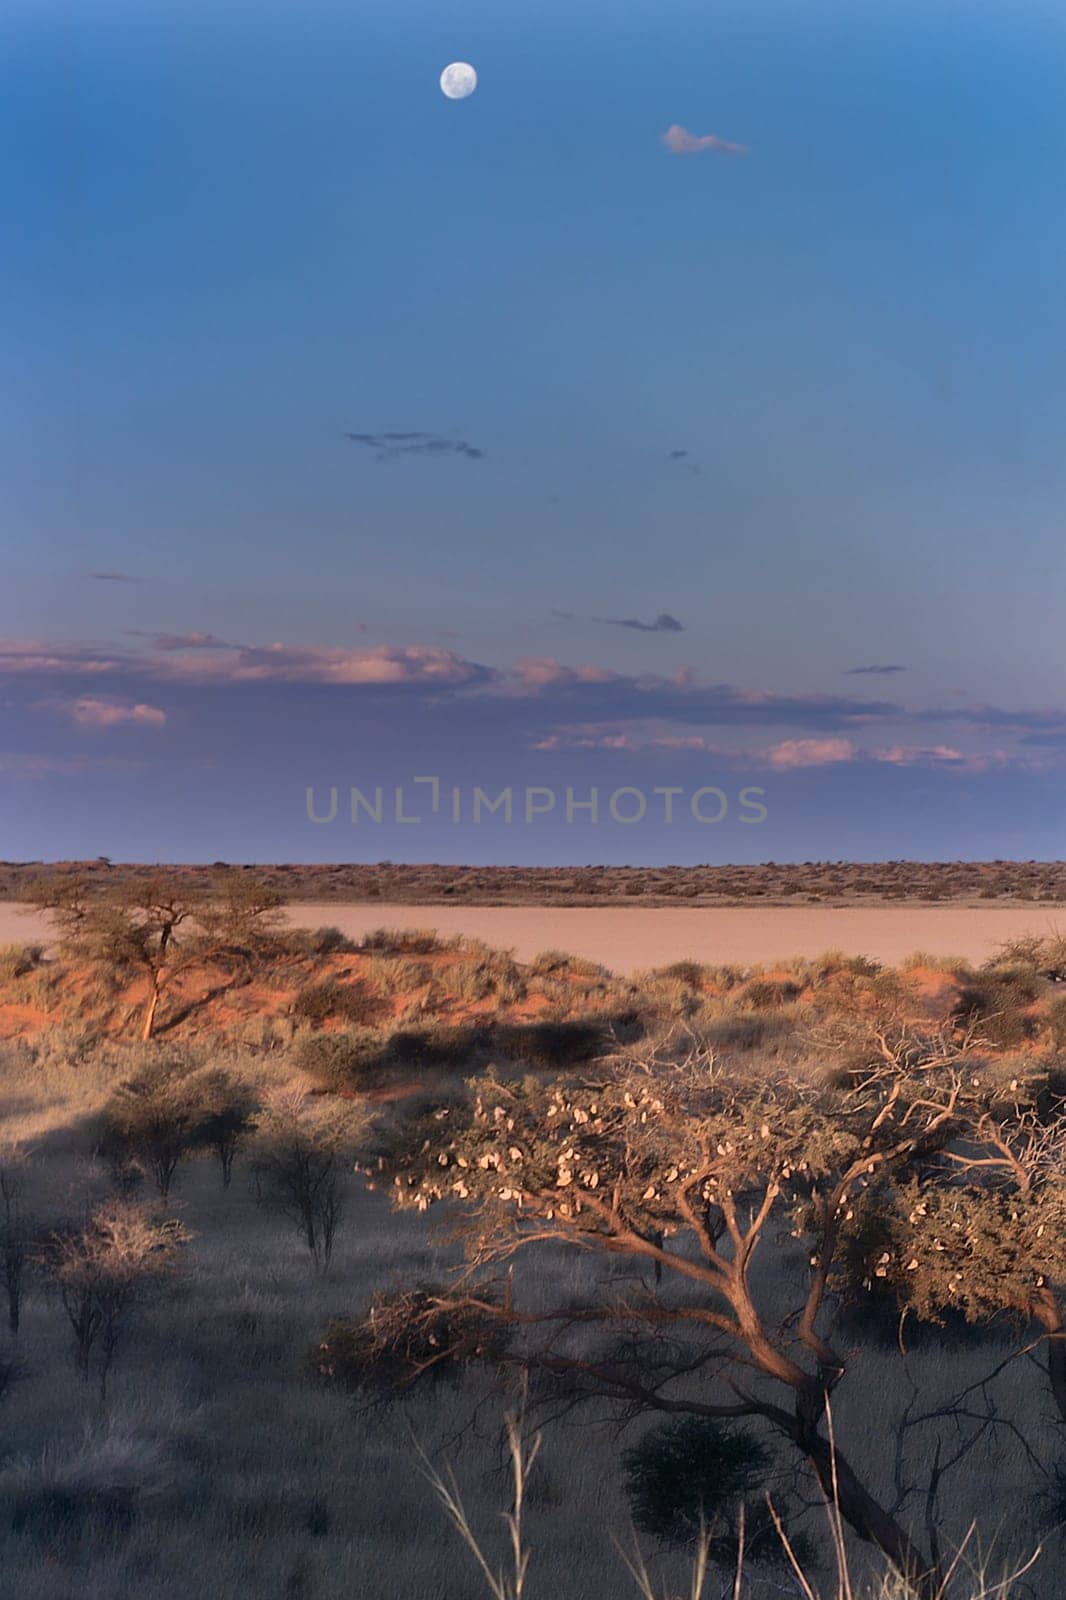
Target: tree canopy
{"points": [[925, 1173], [154, 926]]}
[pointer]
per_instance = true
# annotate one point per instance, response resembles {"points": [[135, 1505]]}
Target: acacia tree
{"points": [[104, 1269], [225, 1116], [691, 1168], [301, 1152], [154, 1119], [156, 927]]}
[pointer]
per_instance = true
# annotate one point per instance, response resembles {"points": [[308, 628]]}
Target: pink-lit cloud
{"points": [[680, 142], [792, 753], [202, 658], [280, 663], [94, 711], [587, 706], [900, 755], [544, 672]]}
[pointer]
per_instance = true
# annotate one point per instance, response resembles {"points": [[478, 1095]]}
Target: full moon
{"points": [[458, 80]]}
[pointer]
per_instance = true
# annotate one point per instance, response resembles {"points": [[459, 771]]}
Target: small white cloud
{"points": [[680, 142]]}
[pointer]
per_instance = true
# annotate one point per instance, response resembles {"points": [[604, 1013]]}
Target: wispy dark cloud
{"points": [[390, 446], [182, 641], [680, 142], [874, 671], [114, 577], [663, 623]]}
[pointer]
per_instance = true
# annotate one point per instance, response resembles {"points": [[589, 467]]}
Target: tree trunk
{"points": [[868, 1519], [1048, 1313], [843, 1489], [149, 1015]]}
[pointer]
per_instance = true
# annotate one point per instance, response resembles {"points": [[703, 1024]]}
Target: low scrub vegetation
{"points": [[750, 1243], [332, 1001], [18, 960], [826, 882]]}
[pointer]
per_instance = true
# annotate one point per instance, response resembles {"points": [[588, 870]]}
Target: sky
{"points": [[684, 411]]}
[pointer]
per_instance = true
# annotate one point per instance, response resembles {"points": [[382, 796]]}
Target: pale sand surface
{"points": [[624, 937]]}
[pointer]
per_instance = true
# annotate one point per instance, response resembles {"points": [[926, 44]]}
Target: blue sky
{"points": [[809, 401]]}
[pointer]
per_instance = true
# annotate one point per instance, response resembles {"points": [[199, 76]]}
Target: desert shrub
{"points": [[747, 1030], [342, 1061], [405, 941], [327, 1000], [818, 969], [557, 963], [549, 964], [298, 1162], [392, 975], [559, 993], [585, 967], [327, 941], [695, 1473], [103, 1270], [403, 1332], [1026, 948], [1045, 956], [152, 1120], [886, 989], [727, 976], [951, 966], [766, 993], [689, 973], [224, 1113], [483, 977], [1053, 958], [1024, 980], [17, 960], [997, 1008]]}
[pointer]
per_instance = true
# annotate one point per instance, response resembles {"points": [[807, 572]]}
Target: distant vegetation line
{"points": [[770, 883]]}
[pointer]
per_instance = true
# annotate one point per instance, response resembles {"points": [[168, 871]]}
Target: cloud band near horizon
{"points": [[533, 703]]}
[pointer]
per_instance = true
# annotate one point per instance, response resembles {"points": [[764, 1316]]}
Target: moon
{"points": [[458, 80]]}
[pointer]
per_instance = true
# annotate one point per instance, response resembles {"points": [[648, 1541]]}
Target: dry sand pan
{"points": [[624, 937]]}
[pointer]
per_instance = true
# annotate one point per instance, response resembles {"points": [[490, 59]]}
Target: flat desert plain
{"points": [[625, 938]]}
